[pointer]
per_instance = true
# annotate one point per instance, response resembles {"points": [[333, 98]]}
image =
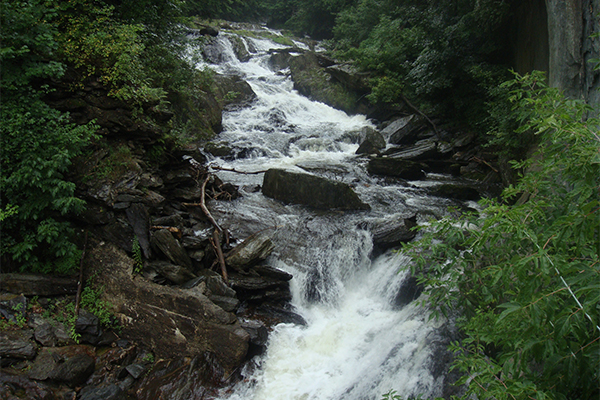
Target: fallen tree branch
{"points": [[482, 161], [422, 114], [216, 242], [220, 256]]}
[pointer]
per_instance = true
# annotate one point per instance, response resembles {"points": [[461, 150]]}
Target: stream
{"points": [[358, 342]]}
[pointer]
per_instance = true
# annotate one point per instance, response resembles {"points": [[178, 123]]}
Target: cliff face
{"points": [[555, 36]]}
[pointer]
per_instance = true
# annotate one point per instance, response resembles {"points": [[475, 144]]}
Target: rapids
{"points": [[358, 344]]}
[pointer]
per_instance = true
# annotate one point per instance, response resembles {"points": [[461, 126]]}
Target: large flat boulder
{"points": [[311, 190], [174, 323]]}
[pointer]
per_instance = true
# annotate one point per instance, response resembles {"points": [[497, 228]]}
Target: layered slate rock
{"points": [[255, 248], [173, 323], [390, 232], [310, 190]]}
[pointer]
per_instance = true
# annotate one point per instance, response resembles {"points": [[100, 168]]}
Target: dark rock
{"points": [[195, 242], [257, 330], [391, 232], [313, 81], [208, 30], [239, 49], [174, 273], [95, 214], [170, 247], [216, 286], [139, 219], [19, 387], [233, 90], [404, 130], [372, 142], [254, 283], [252, 250], [185, 379], [421, 150], [38, 285], [404, 169], [110, 392], [13, 307], [75, 370], [458, 192], [264, 270], [44, 335], [118, 231], [219, 150], [280, 315], [258, 336], [17, 345], [349, 77], [136, 370], [87, 326], [311, 190], [229, 304], [279, 60], [175, 220], [409, 290], [260, 289]]}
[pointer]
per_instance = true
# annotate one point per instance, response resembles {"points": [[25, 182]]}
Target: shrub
{"points": [[524, 277]]}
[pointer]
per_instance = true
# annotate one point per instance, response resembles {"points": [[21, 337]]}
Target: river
{"points": [[358, 342]]}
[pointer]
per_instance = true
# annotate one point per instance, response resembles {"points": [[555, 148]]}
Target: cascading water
{"points": [[358, 343]]}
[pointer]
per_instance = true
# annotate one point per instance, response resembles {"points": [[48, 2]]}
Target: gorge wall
{"points": [[555, 36]]}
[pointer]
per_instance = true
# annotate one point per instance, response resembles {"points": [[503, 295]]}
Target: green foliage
{"points": [[149, 358], [137, 256], [524, 277], [38, 145], [233, 10], [441, 55], [92, 301]]}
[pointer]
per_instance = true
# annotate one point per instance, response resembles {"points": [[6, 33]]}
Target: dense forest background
{"points": [[525, 278]]}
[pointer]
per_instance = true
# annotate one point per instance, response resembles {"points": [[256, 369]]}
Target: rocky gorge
{"points": [[195, 287]]}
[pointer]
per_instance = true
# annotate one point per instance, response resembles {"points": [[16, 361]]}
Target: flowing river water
{"points": [[358, 342]]}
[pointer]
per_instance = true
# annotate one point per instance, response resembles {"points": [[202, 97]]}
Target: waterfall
{"points": [[358, 343]]}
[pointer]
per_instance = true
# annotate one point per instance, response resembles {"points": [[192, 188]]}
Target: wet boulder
{"points": [[372, 142], [310, 190], [421, 150], [391, 232], [456, 191], [170, 247], [396, 167], [17, 345], [75, 370], [312, 80], [173, 273], [110, 392], [404, 130], [255, 248], [19, 387], [233, 90]]}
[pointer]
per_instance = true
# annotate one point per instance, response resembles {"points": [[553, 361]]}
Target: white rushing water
{"points": [[357, 344]]}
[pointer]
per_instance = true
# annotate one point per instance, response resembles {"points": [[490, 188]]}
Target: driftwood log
{"points": [[218, 232]]}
